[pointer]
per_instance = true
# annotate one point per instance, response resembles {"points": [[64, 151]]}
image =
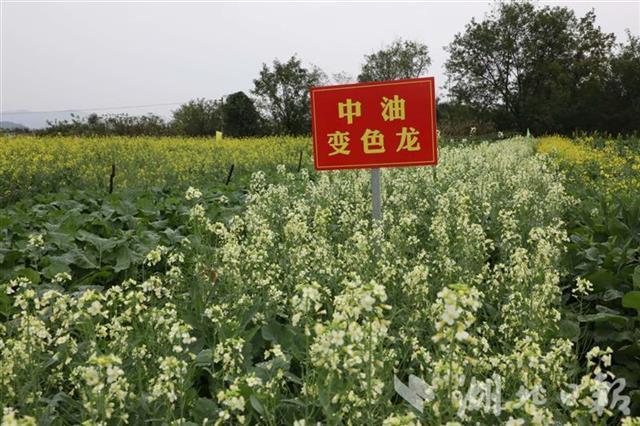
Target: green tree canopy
{"points": [[401, 59], [240, 116], [531, 66], [109, 124], [283, 95], [623, 89], [198, 117]]}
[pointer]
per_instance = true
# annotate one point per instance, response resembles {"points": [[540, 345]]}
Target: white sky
{"points": [[85, 55]]}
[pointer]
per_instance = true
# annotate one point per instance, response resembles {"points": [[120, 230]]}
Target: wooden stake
{"points": [[229, 175], [113, 175], [300, 162]]}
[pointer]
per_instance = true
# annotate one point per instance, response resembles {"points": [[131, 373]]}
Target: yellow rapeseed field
{"points": [[31, 165], [605, 168]]}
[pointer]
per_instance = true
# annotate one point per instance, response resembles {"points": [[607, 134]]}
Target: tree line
{"points": [[521, 67]]}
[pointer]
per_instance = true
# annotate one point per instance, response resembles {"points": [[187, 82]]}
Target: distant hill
{"points": [[35, 120], [10, 125], [38, 119]]}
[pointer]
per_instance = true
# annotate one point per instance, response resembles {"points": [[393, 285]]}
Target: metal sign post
{"points": [[376, 199]]}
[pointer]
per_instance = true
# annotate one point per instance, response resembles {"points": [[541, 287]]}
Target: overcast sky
{"points": [[84, 55]]}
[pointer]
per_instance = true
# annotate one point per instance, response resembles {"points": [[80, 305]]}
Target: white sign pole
{"points": [[376, 199]]}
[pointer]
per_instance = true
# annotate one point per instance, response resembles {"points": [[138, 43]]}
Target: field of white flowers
{"points": [[300, 310]]}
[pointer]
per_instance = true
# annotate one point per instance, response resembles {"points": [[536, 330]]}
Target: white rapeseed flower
{"points": [[192, 194]]}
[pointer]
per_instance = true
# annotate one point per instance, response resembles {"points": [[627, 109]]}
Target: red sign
{"points": [[369, 125]]}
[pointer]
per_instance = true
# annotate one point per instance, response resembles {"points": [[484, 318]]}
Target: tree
{"points": [[199, 117], [125, 125], [283, 95], [109, 124], [401, 59], [623, 88], [529, 65], [342, 77], [240, 116]]}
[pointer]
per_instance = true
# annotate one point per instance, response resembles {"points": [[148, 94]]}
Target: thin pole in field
{"points": [[111, 177], [230, 173], [376, 199]]}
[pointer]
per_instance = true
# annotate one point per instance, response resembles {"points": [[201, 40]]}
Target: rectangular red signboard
{"points": [[370, 125]]}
